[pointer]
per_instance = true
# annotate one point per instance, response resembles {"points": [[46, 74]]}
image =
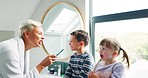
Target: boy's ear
{"points": [[81, 42]]}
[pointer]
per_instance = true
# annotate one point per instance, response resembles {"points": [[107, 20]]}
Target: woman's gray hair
{"points": [[28, 26]]}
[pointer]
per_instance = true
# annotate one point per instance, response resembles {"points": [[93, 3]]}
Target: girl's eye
{"points": [[103, 48]]}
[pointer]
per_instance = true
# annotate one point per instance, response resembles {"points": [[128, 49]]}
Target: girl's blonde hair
{"points": [[113, 44]]}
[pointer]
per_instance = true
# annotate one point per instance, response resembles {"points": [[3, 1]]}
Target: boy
{"points": [[81, 62]]}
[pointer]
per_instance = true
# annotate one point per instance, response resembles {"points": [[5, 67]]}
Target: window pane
{"points": [[103, 7], [59, 25], [133, 35]]}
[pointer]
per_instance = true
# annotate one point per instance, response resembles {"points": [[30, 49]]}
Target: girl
{"points": [[108, 67]]}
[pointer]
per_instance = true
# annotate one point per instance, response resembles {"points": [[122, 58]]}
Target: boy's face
{"points": [[74, 44]]}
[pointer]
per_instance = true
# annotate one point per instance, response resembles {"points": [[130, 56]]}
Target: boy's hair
{"points": [[81, 35], [28, 26]]}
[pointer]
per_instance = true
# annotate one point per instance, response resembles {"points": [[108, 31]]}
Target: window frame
{"points": [[113, 17]]}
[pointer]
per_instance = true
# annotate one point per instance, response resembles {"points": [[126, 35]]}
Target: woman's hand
{"points": [[46, 62]]}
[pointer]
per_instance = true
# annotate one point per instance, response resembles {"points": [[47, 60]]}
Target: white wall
{"points": [[14, 12], [6, 35]]}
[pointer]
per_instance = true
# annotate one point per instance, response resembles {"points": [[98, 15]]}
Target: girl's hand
{"points": [[92, 75]]}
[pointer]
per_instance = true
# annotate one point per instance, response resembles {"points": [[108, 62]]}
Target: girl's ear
{"points": [[115, 53]]}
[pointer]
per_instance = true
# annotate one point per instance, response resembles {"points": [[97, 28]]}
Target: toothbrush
{"points": [[59, 52]]}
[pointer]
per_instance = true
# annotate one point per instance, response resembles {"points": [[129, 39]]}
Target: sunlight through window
{"points": [[104, 7], [132, 34], [60, 23]]}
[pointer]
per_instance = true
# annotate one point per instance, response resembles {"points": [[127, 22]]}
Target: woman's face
{"points": [[36, 36], [105, 53]]}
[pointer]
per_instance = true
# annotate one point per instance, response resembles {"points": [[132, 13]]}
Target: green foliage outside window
{"points": [[136, 44]]}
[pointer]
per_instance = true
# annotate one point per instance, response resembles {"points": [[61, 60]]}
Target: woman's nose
{"points": [[42, 37]]}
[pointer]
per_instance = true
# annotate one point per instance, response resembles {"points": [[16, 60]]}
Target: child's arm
{"points": [[68, 73], [118, 71], [92, 75], [87, 66]]}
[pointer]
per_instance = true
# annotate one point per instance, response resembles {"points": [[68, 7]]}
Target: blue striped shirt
{"points": [[79, 65]]}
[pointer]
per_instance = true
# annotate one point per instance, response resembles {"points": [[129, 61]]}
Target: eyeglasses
{"points": [[102, 48]]}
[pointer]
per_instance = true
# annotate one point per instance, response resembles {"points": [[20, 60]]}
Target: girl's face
{"points": [[105, 53], [74, 44]]}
